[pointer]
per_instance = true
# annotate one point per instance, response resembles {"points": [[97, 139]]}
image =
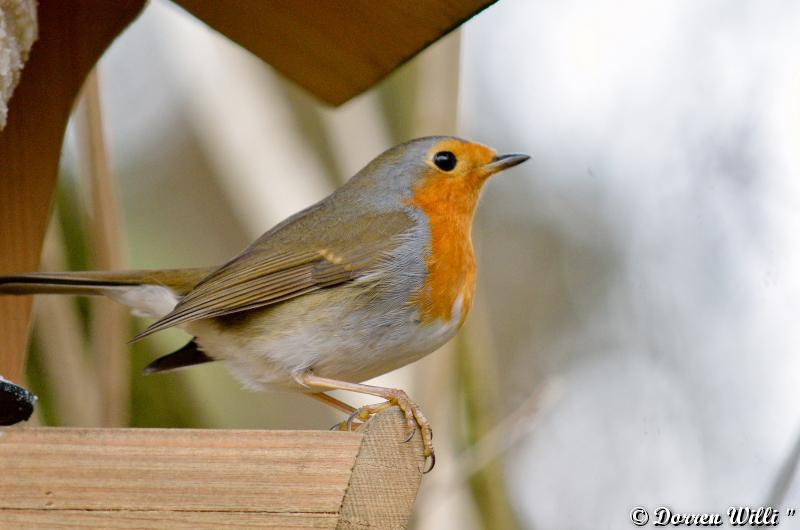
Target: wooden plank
{"points": [[72, 36], [336, 50], [386, 476], [176, 470], [62, 519], [60, 478]]}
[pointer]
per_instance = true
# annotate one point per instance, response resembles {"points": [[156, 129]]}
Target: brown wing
{"points": [[263, 275]]}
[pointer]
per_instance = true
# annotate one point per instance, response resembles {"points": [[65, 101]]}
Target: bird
{"points": [[373, 277]]}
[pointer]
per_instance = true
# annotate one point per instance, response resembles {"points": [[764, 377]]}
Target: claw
{"points": [[410, 436], [347, 425], [415, 419], [433, 463], [342, 426], [350, 420]]}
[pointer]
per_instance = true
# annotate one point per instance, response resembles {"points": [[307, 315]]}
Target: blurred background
{"points": [[634, 339]]}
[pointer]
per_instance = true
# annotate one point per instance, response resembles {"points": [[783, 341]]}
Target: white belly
{"points": [[334, 342], [334, 337]]}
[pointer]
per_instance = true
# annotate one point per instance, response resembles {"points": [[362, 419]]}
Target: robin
{"points": [[373, 277]]}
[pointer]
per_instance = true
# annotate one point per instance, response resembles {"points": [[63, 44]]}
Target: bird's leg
{"points": [[393, 396], [333, 402], [338, 405]]}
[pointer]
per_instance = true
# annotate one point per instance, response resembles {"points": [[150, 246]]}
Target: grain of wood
{"points": [[385, 478], [147, 520], [175, 470], [59, 478]]}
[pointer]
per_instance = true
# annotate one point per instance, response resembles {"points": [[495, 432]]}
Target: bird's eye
{"points": [[445, 160]]}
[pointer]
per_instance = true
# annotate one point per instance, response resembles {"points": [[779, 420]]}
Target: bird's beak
{"points": [[501, 162]]}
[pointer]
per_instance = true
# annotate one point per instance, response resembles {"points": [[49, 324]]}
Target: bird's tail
{"points": [[179, 281], [149, 293]]}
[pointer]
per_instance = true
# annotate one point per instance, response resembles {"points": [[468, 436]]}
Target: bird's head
{"points": [[438, 169]]}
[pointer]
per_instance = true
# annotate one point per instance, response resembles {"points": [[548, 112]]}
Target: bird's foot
{"points": [[415, 419]]}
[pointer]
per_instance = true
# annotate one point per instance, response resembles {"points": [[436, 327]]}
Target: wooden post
{"points": [[72, 36], [195, 479]]}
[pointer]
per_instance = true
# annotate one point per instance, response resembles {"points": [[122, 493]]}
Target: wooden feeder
{"points": [[135, 478], [60, 477]]}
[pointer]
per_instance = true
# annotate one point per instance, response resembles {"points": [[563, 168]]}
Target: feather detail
{"points": [[188, 355], [180, 281], [268, 273]]}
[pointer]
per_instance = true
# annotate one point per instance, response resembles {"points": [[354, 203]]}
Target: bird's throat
{"points": [[449, 204]]}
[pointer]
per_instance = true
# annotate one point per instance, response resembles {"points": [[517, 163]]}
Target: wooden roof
{"points": [[335, 49]]}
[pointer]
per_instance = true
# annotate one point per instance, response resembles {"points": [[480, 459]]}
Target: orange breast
{"points": [[450, 206]]}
